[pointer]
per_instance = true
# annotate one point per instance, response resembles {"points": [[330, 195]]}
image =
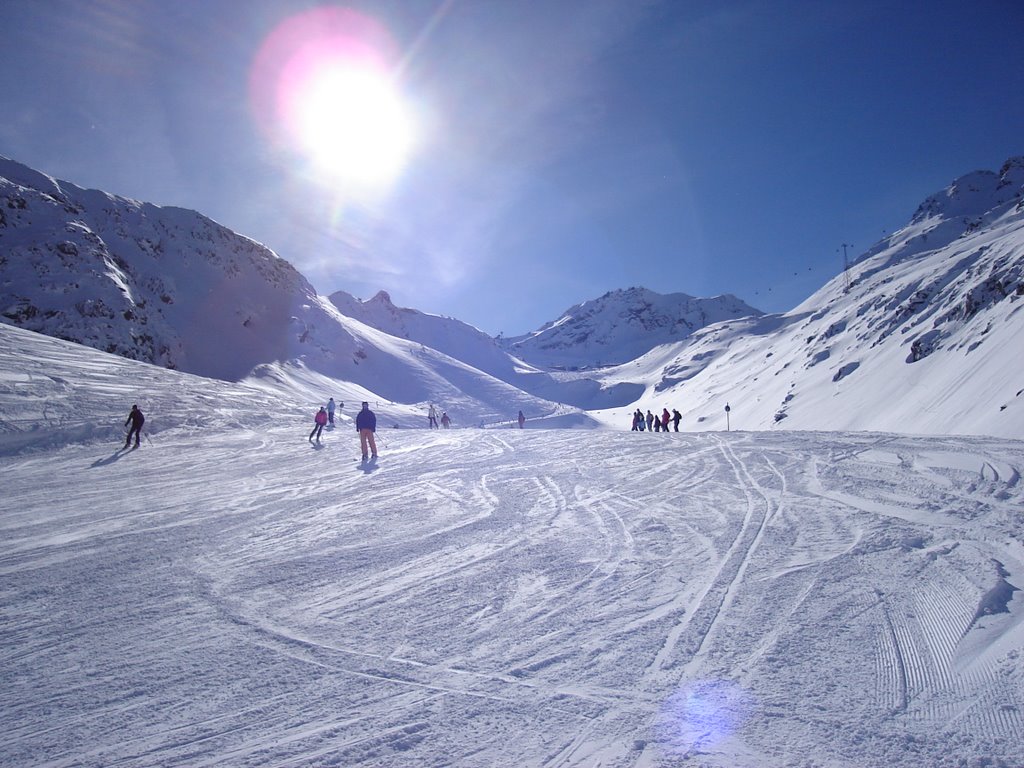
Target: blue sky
{"points": [[565, 147]]}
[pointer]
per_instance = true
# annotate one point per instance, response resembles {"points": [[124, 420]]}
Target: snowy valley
{"points": [[837, 581]]}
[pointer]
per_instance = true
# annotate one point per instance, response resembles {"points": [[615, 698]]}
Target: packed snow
{"points": [[231, 594]]}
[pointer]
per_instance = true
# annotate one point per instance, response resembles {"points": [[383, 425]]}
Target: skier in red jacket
{"points": [[318, 424]]}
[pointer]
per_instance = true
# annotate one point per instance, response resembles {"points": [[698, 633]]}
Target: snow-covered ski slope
{"points": [[230, 595]]}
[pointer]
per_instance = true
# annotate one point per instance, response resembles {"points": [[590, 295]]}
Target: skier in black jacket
{"points": [[136, 419]]}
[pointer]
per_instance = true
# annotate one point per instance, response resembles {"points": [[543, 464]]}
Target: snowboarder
{"points": [[432, 417], [522, 419], [676, 418], [665, 418], [330, 411], [366, 425], [445, 421], [318, 424], [136, 419]]}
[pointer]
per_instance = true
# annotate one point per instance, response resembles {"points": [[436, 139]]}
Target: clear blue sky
{"points": [[565, 147]]}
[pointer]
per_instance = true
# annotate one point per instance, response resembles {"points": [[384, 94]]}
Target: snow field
{"points": [[231, 595]]}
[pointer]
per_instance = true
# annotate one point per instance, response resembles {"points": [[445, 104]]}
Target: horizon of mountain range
{"points": [[913, 337]]}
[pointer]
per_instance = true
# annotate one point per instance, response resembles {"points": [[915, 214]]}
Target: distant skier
{"points": [[136, 419], [522, 419], [366, 425], [650, 421], [330, 411], [445, 421], [637, 418], [665, 418], [676, 418], [640, 423], [318, 424], [432, 417]]}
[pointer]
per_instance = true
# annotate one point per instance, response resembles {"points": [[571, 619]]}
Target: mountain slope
{"points": [[170, 287], [463, 342], [925, 334]]}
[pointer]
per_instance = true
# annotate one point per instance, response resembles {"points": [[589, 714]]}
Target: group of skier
{"points": [[366, 426], [446, 421], [654, 423]]}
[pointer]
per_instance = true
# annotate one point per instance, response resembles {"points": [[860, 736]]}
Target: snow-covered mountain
{"points": [[162, 285], [621, 326], [472, 346], [171, 287], [924, 334], [454, 338]]}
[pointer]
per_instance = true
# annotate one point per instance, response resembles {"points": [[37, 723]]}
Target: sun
{"points": [[351, 123], [324, 89]]}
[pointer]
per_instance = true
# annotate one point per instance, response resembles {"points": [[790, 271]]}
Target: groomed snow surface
{"points": [[230, 594]]}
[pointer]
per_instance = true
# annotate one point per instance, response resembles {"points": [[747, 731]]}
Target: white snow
{"points": [[231, 595]]}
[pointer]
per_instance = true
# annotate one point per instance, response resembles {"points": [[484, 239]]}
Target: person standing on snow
{"points": [[318, 424], [445, 421], [366, 425], [136, 419], [676, 417], [665, 418], [432, 417], [330, 411], [650, 421], [522, 419]]}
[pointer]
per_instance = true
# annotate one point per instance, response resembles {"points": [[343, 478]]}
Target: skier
{"points": [[676, 417], [137, 420], [366, 425], [318, 424], [650, 421], [522, 419], [636, 421], [330, 411], [640, 423], [432, 417], [665, 418], [445, 421]]}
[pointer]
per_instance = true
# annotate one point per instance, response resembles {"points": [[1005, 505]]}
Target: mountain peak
{"points": [[621, 325], [384, 298], [975, 194]]}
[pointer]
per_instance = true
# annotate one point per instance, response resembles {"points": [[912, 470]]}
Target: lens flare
{"points": [[703, 714], [323, 89]]}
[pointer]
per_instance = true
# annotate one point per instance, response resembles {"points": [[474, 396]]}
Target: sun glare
{"points": [[351, 123], [323, 88]]}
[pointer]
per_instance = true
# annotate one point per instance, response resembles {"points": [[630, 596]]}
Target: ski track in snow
{"points": [[227, 596]]}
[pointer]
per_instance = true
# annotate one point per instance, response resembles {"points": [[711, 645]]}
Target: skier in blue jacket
{"points": [[366, 425]]}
